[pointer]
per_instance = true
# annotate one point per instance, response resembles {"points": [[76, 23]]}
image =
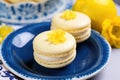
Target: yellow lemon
{"points": [[97, 10]]}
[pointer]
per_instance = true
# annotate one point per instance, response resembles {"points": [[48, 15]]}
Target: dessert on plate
{"points": [[76, 23], [54, 49]]}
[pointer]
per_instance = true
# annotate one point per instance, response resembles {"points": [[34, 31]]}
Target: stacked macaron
{"points": [[54, 49], [76, 23]]}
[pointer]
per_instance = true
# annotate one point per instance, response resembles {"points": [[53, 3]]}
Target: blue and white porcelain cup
{"points": [[31, 12]]}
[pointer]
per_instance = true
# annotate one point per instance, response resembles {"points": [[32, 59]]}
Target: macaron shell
{"points": [[83, 38], [43, 46], [56, 55], [79, 27], [53, 60], [79, 22], [59, 64], [81, 32], [82, 35], [75, 32]]}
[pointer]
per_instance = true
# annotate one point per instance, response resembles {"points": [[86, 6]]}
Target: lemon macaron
{"points": [[54, 49], [76, 23]]}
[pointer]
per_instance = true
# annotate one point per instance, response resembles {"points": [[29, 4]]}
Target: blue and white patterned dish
{"points": [[17, 56], [31, 12]]}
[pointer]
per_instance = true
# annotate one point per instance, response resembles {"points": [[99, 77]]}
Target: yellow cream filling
{"points": [[69, 15], [56, 36]]}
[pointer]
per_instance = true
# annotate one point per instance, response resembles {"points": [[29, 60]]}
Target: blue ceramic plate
{"points": [[17, 55]]}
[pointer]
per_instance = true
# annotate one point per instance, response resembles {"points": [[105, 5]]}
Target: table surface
{"points": [[110, 72]]}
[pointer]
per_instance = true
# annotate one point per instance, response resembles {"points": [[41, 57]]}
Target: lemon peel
{"points": [[111, 31], [4, 31], [68, 15], [56, 36]]}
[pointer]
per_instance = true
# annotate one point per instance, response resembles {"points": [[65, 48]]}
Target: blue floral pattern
{"points": [[4, 11], [27, 11], [5, 73], [49, 6], [32, 13]]}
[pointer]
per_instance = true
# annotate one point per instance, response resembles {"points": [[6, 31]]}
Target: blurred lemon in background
{"points": [[97, 10]]}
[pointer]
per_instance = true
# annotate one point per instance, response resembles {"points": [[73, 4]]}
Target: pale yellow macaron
{"points": [[54, 49], [76, 23]]}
